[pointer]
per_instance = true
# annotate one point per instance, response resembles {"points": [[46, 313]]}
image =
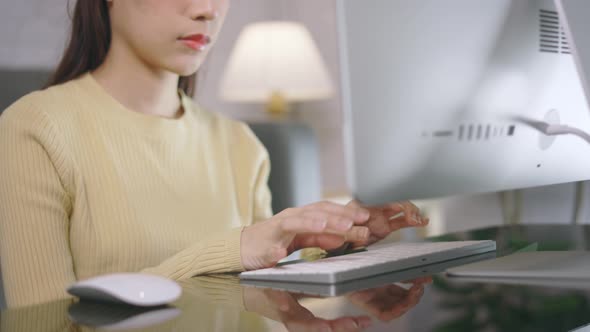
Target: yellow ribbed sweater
{"points": [[89, 187]]}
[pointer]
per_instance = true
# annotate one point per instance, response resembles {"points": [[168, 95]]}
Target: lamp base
{"points": [[278, 105]]}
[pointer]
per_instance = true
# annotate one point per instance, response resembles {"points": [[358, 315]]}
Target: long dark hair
{"points": [[89, 44]]}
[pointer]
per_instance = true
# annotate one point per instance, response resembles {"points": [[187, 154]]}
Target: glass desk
{"points": [[431, 302]]}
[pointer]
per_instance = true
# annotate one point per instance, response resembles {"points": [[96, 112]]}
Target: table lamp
{"points": [[275, 62]]}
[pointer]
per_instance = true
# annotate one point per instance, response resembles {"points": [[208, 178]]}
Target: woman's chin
{"points": [[186, 68]]}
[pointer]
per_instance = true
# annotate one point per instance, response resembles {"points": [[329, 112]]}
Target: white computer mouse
{"points": [[130, 288]]}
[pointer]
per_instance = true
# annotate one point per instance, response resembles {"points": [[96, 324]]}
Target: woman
{"points": [[114, 168]]}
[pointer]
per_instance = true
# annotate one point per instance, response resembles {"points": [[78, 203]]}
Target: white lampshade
{"points": [[272, 57]]}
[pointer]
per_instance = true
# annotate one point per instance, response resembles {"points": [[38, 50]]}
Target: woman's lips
{"points": [[197, 42]]}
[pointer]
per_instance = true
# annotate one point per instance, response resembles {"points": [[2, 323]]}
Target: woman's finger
{"points": [[283, 300], [297, 224], [364, 321], [358, 234], [368, 308], [406, 304], [380, 227], [319, 225], [308, 325], [419, 281], [364, 295], [346, 324], [359, 214], [354, 203], [406, 211], [396, 224], [324, 241], [336, 222], [395, 290]]}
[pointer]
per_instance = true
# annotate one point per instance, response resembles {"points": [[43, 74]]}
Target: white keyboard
{"points": [[378, 259]]}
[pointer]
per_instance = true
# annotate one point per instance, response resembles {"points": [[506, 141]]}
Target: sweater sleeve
{"points": [[262, 194], [219, 254], [35, 257]]}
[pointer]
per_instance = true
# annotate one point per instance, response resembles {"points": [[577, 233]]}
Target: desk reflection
{"points": [[384, 303], [220, 303]]}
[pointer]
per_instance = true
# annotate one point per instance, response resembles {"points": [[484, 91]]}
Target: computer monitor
{"points": [[441, 97]]}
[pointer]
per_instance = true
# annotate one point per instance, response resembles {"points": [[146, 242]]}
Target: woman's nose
{"points": [[204, 11]]}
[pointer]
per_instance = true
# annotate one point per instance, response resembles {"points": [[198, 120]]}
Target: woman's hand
{"points": [[390, 302], [284, 307], [389, 218], [325, 225]]}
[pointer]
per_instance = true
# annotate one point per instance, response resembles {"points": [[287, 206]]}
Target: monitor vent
{"points": [[483, 131], [552, 35]]}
